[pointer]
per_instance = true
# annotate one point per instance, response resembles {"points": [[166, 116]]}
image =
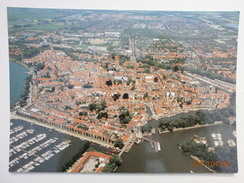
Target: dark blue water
{"points": [[18, 75]]}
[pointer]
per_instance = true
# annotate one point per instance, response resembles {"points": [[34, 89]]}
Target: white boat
{"points": [[231, 143], [214, 135], [159, 148], [191, 171], [216, 143], [138, 141]]}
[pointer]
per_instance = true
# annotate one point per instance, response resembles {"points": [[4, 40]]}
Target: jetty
{"points": [[154, 144]]}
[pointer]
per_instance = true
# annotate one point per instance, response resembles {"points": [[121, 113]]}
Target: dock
{"points": [[154, 144]]}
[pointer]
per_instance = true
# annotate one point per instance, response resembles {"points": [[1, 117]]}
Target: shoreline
{"points": [[60, 130], [198, 160], [14, 105], [19, 62], [191, 127]]}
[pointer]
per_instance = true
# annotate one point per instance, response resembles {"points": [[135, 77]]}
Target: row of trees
{"points": [[82, 150], [118, 82], [221, 153], [200, 151], [199, 117], [114, 161], [211, 75], [68, 52], [24, 97], [98, 106]]}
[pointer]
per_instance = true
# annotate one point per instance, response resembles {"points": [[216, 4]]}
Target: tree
{"points": [[147, 70], [49, 68], [114, 161], [82, 113], [125, 116], [102, 105], [133, 87], [176, 68], [156, 79], [83, 126], [98, 107], [92, 106], [113, 56], [116, 96], [40, 66], [70, 86], [200, 116], [125, 96], [119, 143], [109, 83], [146, 95], [170, 128], [119, 82], [77, 102], [102, 115]]}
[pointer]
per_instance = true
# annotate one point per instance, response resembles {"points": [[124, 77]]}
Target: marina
{"points": [[34, 148], [38, 143]]}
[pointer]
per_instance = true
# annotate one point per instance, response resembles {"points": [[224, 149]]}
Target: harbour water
{"points": [[142, 158], [54, 148]]}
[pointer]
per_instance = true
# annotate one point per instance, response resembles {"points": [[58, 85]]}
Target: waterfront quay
{"points": [[35, 148], [65, 131]]}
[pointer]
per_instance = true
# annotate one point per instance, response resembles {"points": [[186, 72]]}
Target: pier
{"points": [[154, 144]]}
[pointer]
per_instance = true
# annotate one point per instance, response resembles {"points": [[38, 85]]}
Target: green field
{"points": [[46, 27], [36, 13]]}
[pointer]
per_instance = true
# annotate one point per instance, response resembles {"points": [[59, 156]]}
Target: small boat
{"points": [[159, 148], [138, 141], [191, 171]]}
